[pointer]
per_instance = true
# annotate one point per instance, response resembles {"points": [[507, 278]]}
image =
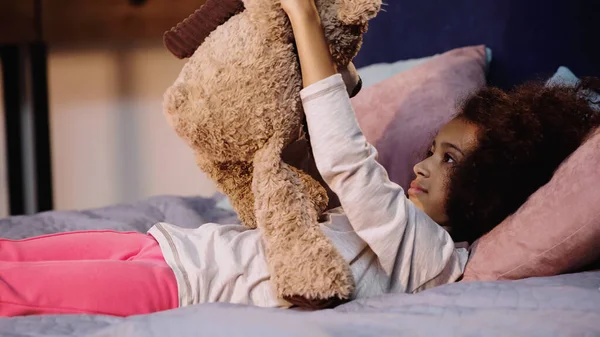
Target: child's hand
{"points": [[295, 8]]}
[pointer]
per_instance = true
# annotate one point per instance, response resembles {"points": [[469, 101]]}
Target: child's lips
{"points": [[416, 189]]}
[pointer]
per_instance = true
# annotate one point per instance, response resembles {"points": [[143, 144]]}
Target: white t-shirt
{"points": [[391, 245]]}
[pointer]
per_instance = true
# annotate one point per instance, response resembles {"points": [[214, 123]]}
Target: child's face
{"points": [[430, 188]]}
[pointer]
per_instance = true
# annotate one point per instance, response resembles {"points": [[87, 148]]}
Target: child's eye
{"points": [[448, 158], [429, 153]]}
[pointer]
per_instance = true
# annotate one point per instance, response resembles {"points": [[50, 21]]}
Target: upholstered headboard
{"points": [[529, 38]]}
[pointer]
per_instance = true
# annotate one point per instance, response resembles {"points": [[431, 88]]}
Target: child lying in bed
{"points": [[481, 167]]}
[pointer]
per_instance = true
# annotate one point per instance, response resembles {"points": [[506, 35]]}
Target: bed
{"points": [[565, 305], [529, 39]]}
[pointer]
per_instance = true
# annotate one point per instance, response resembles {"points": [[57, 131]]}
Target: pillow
{"points": [[401, 115], [375, 73], [570, 224], [564, 76], [556, 231]]}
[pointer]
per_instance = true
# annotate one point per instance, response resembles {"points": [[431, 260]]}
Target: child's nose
{"points": [[420, 169]]}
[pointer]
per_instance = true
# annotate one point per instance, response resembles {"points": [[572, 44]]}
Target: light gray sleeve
{"points": [[413, 250]]}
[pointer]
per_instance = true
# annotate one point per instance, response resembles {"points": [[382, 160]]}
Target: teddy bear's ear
{"points": [[183, 39]]}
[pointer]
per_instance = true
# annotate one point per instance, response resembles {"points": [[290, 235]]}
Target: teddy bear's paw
{"points": [[315, 303], [309, 267]]}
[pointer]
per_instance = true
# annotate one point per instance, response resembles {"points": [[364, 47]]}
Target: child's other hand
{"points": [[295, 8]]}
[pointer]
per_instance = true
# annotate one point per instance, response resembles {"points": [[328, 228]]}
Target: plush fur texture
{"points": [[236, 103]]}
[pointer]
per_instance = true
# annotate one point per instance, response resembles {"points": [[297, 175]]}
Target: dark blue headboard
{"points": [[529, 38]]}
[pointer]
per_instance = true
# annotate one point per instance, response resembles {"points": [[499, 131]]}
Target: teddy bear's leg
{"points": [[303, 261], [234, 179]]}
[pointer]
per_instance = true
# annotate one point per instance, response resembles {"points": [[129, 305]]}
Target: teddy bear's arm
{"points": [[303, 261]]}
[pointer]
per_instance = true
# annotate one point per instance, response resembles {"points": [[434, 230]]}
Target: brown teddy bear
{"points": [[237, 104]]}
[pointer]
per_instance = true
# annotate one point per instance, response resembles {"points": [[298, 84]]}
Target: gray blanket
{"points": [[566, 305]]}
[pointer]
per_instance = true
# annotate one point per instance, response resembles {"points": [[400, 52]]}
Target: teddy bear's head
{"points": [[243, 67], [241, 84], [240, 87]]}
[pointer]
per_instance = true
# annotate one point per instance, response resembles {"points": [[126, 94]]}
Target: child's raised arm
{"points": [[313, 51], [412, 249]]}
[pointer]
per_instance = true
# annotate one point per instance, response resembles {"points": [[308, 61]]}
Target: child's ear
{"points": [[183, 39], [357, 12]]}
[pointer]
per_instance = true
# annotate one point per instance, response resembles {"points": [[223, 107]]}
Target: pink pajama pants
{"points": [[86, 272]]}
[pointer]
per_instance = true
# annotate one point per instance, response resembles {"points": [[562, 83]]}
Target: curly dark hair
{"points": [[523, 137]]}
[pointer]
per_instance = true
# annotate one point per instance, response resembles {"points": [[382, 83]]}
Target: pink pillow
{"points": [[556, 231], [401, 115]]}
